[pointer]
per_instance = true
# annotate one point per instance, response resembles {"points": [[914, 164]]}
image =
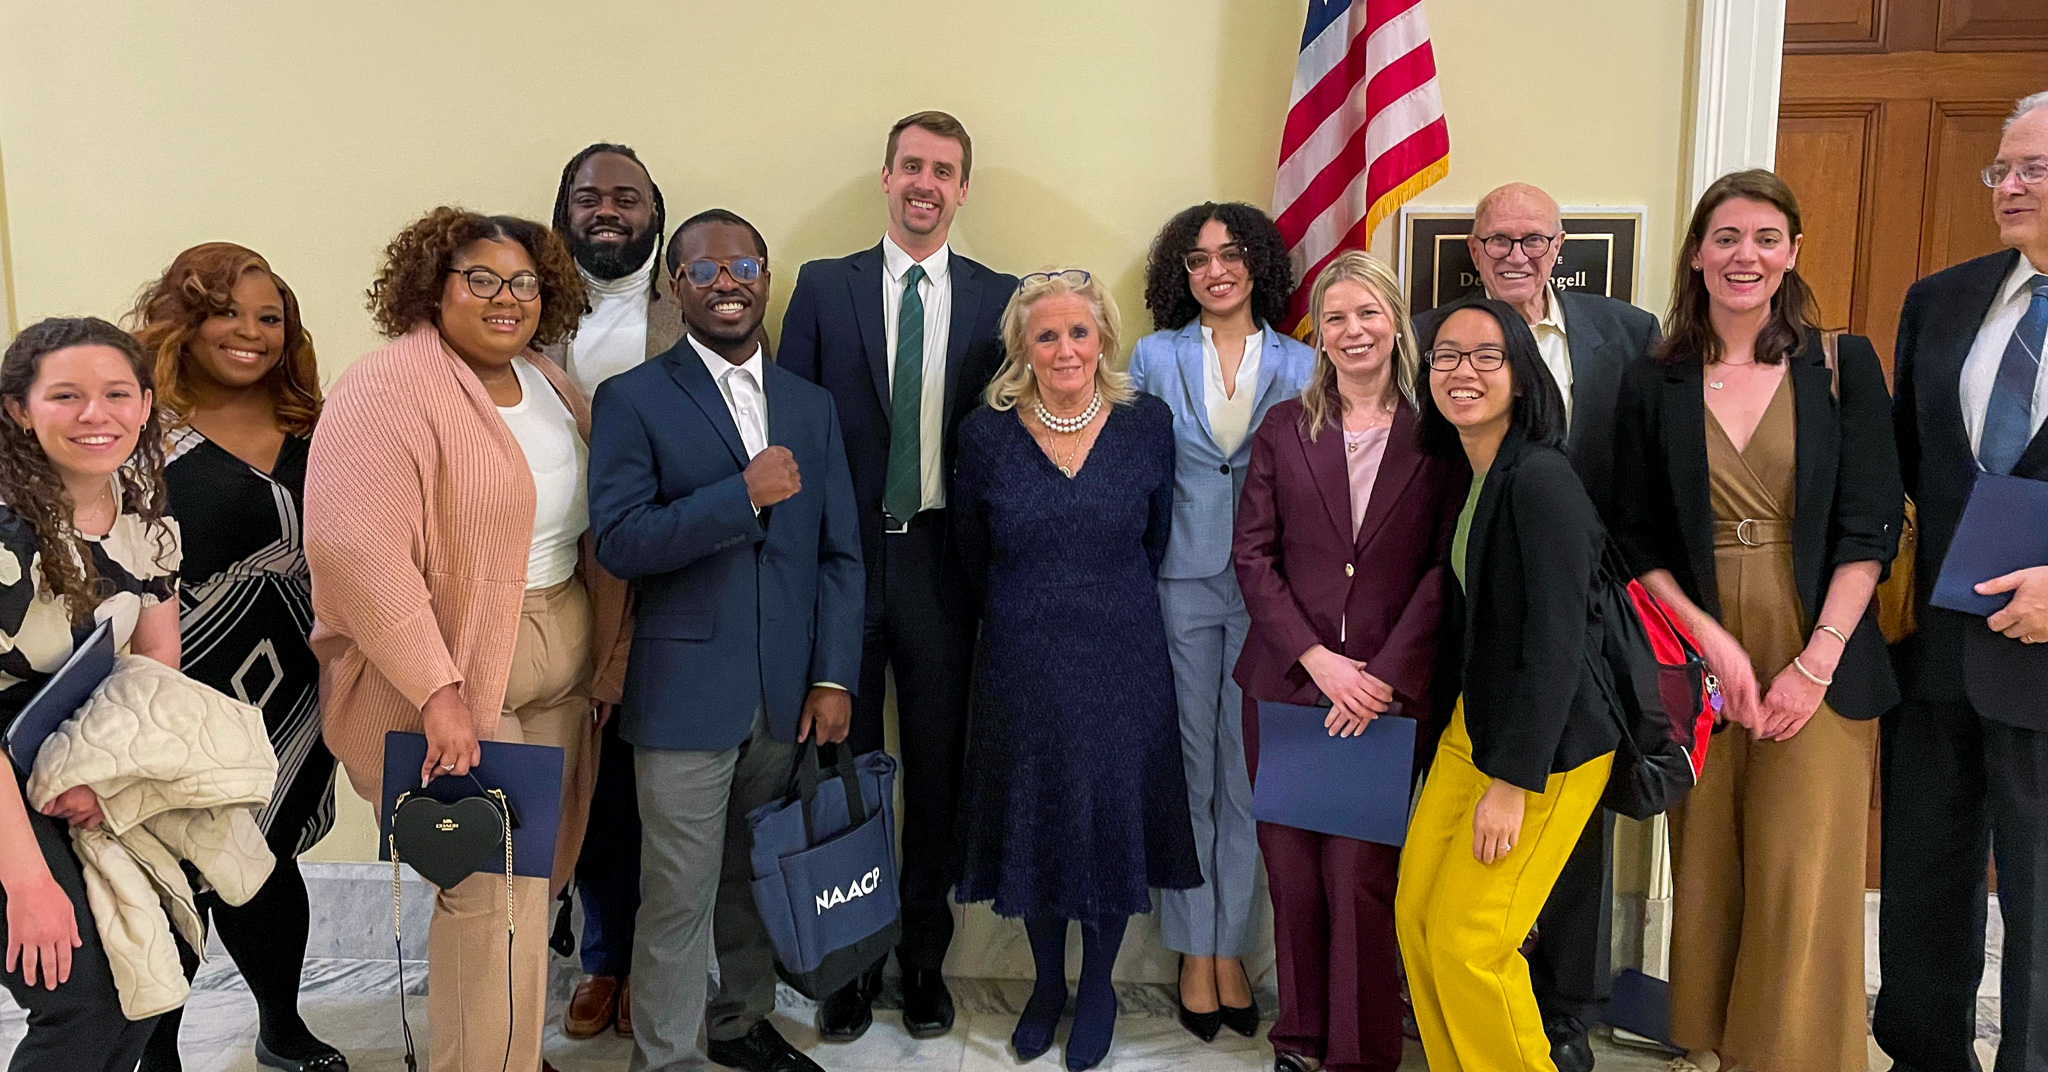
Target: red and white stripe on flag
{"points": [[1365, 130]]}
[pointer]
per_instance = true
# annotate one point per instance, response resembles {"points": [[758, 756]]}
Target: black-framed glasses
{"points": [[704, 272], [1073, 277], [1198, 259], [1498, 246], [2031, 173], [1484, 358], [486, 284]]}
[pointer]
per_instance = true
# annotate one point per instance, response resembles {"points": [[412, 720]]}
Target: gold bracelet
{"points": [[1833, 632], [1809, 675]]}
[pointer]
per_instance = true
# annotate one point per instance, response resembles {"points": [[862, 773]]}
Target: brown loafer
{"points": [[624, 1023], [592, 1008]]}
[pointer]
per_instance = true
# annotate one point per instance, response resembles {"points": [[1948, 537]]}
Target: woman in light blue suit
{"points": [[1217, 284]]}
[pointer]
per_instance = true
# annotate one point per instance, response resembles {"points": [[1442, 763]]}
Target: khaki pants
{"points": [[547, 701]]}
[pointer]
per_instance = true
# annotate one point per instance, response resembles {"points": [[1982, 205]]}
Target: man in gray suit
{"points": [[1586, 340]]}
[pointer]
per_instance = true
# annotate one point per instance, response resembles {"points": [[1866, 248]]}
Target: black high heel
{"points": [[1202, 1025], [1244, 1021]]}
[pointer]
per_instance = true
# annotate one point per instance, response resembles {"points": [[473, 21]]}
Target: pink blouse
{"points": [[1362, 454]]}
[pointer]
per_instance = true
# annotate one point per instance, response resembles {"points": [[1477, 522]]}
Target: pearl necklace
{"points": [[1068, 425]]}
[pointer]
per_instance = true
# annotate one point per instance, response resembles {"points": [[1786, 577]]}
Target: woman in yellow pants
{"points": [[1525, 758]]}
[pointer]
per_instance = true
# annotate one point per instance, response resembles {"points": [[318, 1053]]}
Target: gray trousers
{"points": [[1205, 628], [694, 898]]}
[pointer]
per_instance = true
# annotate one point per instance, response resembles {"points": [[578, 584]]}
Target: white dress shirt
{"points": [[1980, 369], [1230, 416], [557, 456], [1555, 348], [745, 396], [746, 399], [613, 335], [936, 291]]}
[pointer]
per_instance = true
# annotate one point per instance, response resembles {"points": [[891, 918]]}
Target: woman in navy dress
{"points": [[1076, 802]]}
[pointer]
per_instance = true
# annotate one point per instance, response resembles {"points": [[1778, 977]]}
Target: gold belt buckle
{"points": [[1742, 532]]}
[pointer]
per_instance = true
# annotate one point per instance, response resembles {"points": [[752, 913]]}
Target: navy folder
{"points": [[61, 697], [2004, 528], [529, 774], [1355, 787]]}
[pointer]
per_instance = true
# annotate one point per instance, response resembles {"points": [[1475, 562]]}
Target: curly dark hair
{"points": [[199, 284], [34, 490], [407, 290], [1167, 295]]}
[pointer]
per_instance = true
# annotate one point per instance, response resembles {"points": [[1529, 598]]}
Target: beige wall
{"points": [[313, 132]]}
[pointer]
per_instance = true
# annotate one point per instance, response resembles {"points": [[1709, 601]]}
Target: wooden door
{"points": [[1888, 110]]}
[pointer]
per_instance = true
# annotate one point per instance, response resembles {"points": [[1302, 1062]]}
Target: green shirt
{"points": [[1462, 536]]}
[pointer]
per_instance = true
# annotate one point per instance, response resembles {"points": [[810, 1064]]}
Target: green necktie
{"points": [[904, 491]]}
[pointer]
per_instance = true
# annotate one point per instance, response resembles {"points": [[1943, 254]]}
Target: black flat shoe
{"points": [[1033, 1035], [848, 1012], [330, 1061], [927, 1004], [1244, 1021]]}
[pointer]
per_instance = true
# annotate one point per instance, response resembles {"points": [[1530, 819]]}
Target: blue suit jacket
{"points": [[1206, 485], [733, 611]]}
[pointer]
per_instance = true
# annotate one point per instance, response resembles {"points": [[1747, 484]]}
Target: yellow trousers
{"points": [[1461, 923]]}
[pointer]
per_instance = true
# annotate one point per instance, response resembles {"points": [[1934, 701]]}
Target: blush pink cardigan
{"points": [[419, 517]]}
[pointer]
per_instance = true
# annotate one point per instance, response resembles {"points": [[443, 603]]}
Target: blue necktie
{"points": [[903, 487], [2009, 418]]}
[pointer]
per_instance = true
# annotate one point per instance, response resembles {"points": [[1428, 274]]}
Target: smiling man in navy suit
{"points": [[719, 488], [904, 335]]}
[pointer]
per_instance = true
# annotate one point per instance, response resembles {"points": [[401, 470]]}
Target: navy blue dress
{"points": [[1076, 799]]}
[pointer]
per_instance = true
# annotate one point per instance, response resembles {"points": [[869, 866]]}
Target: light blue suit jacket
{"points": [[1206, 484]]}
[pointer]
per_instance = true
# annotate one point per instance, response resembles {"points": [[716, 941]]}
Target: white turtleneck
{"points": [[613, 335]]}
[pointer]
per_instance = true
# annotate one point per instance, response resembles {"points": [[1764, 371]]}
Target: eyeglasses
{"points": [[486, 284], [1073, 277], [1198, 259], [703, 273], [1484, 359], [1499, 246], [2031, 173]]}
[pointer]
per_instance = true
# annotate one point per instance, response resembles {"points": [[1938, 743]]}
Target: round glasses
{"points": [[1500, 245], [1484, 359], [2031, 173], [702, 273], [1073, 277], [1198, 259], [486, 284]]}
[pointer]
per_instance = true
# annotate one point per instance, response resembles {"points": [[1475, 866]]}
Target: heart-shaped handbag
{"points": [[446, 842]]}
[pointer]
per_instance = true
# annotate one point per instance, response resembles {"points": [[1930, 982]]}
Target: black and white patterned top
{"points": [[137, 568], [246, 608]]}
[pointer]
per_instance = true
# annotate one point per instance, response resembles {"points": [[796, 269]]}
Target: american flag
{"points": [[1365, 130]]}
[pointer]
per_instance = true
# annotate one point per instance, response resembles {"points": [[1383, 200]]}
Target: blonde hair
{"points": [[1321, 405], [1014, 383]]}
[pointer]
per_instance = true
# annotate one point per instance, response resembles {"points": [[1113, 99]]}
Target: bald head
{"points": [[1507, 222]]}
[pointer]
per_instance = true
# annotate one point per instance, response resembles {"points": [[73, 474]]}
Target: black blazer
{"points": [[833, 335], [1955, 656], [1605, 337], [1848, 501], [1515, 635]]}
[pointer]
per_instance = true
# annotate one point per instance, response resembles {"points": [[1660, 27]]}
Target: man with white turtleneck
{"points": [[610, 213]]}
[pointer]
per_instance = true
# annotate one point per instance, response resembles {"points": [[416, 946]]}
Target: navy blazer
{"points": [[1847, 503], [833, 335], [1207, 485], [733, 611], [1605, 337], [1954, 655]]}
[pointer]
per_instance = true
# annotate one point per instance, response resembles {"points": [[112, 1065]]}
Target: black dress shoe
{"points": [[1570, 1049], [762, 1049], [1243, 1020], [848, 1012], [1202, 1025], [927, 1004]]}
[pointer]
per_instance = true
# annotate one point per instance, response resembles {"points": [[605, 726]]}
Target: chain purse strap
{"points": [[497, 796]]}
